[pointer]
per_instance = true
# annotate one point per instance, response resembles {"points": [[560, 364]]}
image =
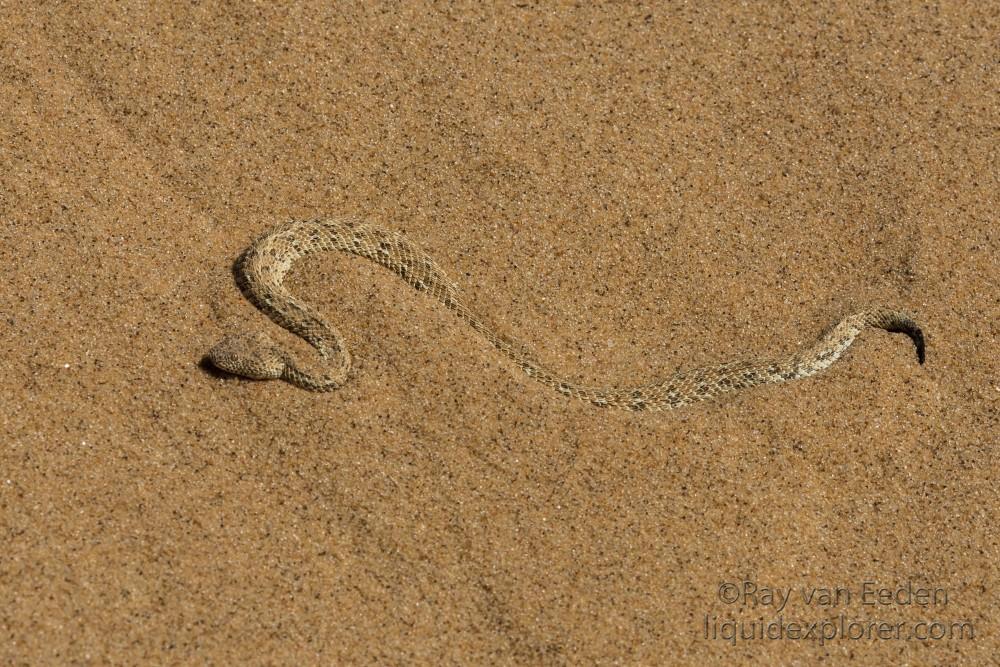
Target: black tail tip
{"points": [[910, 328], [918, 339], [917, 336]]}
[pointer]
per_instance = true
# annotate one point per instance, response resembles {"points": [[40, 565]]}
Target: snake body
{"points": [[261, 270]]}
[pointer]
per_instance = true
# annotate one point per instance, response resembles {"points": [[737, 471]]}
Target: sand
{"points": [[629, 190]]}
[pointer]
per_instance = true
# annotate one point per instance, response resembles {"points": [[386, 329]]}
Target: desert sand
{"points": [[629, 190]]}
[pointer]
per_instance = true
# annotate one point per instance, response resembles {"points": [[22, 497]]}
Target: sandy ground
{"points": [[630, 190]]}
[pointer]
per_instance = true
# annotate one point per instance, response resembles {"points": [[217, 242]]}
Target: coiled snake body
{"points": [[262, 268]]}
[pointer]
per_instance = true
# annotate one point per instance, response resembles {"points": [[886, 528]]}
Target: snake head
{"points": [[251, 355]]}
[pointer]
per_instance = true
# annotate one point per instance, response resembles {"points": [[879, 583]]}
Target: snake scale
{"points": [[261, 270]]}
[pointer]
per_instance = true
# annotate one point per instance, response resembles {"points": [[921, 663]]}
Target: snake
{"points": [[261, 270]]}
